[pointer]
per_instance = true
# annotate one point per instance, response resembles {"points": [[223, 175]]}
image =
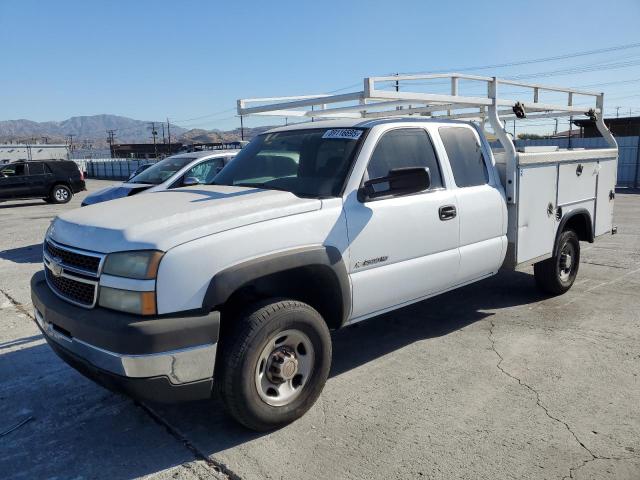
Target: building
{"points": [[200, 147], [144, 150], [620, 127], [37, 151], [161, 150]]}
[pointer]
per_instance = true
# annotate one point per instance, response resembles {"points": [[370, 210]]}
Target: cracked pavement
{"points": [[490, 381]]}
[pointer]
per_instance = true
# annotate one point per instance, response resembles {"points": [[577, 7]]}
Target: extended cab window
{"points": [[401, 148], [465, 156]]}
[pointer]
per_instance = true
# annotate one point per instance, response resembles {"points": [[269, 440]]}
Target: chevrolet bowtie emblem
{"points": [[56, 267]]}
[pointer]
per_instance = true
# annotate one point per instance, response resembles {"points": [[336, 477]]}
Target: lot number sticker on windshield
{"points": [[343, 133]]}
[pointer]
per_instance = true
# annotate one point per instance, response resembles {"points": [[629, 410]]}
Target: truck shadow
{"points": [[95, 433], [28, 254]]}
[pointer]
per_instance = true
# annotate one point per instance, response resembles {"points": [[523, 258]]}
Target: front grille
{"points": [[79, 292], [73, 259]]}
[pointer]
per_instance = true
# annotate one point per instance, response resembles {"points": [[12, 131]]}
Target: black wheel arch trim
{"points": [[583, 212], [228, 281]]}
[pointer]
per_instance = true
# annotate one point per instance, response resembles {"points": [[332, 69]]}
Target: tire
{"points": [[282, 345], [60, 194], [553, 275]]}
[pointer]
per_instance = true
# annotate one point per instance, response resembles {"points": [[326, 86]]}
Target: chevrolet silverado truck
{"points": [[233, 286]]}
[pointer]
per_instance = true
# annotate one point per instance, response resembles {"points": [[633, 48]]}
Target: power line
{"points": [[205, 116], [535, 60]]}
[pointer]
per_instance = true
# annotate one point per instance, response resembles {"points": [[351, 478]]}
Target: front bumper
{"points": [[164, 358]]}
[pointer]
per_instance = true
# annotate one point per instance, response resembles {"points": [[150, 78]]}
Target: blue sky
{"points": [[191, 60]]}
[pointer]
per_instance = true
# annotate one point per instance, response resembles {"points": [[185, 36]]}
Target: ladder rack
{"points": [[374, 101]]}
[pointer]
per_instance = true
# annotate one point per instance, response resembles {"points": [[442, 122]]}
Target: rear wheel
{"points": [[557, 274], [273, 363], [60, 194]]}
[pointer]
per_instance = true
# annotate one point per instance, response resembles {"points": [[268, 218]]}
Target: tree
{"points": [[530, 136]]}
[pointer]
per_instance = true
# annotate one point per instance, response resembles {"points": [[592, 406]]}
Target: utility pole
{"points": [[154, 132], [169, 134], [555, 130], [70, 137], [514, 128], [571, 121], [112, 134], [398, 89], [617, 112], [241, 128]]}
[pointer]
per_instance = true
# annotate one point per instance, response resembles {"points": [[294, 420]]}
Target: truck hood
{"points": [[162, 220], [115, 191]]}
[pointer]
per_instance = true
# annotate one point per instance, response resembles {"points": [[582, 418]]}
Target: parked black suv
{"points": [[55, 181]]}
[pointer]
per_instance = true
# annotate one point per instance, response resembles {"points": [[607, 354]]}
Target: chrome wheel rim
{"points": [[61, 194], [566, 261], [284, 367]]}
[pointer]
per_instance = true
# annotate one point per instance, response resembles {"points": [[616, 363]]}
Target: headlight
{"points": [[141, 265], [140, 303]]}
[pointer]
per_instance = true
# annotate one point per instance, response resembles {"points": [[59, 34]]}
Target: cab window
{"points": [[402, 148], [205, 171], [36, 168], [14, 170]]}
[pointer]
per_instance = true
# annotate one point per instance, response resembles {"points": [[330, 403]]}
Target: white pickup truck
{"points": [[234, 286]]}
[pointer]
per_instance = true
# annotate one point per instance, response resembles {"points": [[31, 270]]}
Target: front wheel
{"points": [[557, 274], [273, 363]]}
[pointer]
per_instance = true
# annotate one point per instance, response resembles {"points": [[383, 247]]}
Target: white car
{"points": [[312, 227], [172, 172]]}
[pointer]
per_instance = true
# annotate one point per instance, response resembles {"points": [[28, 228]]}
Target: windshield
{"points": [[310, 162], [161, 171]]}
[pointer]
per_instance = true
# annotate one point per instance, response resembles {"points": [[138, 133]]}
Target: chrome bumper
{"points": [[179, 366]]}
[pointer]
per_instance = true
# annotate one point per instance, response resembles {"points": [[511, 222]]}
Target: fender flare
{"points": [[226, 282], [583, 212]]}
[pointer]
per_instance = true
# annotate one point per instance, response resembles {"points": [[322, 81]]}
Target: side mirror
{"points": [[190, 181], [399, 181]]}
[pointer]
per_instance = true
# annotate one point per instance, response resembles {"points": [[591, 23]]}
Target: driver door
{"points": [[13, 181], [402, 248]]}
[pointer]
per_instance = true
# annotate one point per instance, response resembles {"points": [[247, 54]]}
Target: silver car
{"points": [[176, 171]]}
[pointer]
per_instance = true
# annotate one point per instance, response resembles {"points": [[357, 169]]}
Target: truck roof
{"points": [[360, 123]]}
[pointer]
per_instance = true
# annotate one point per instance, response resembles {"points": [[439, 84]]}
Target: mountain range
{"points": [[93, 129]]}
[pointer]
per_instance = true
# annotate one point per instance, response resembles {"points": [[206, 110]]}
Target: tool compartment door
{"points": [[536, 223], [606, 190], [577, 183]]}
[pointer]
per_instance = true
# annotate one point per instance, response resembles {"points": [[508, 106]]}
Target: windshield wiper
{"points": [[261, 185]]}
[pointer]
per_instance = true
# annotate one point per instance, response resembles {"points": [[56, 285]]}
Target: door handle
{"points": [[447, 212]]}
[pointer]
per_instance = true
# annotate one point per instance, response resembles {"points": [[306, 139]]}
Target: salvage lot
{"points": [[490, 381]]}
